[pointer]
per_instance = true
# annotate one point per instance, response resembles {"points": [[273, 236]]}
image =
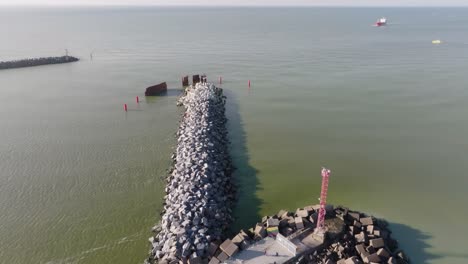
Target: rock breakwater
{"points": [[36, 62], [200, 193]]}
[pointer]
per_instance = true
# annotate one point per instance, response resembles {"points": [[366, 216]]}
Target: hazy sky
{"points": [[243, 2]]}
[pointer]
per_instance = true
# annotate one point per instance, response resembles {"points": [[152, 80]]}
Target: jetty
{"points": [[4, 65], [200, 195]]}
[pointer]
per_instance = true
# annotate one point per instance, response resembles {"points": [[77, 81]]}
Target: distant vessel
{"points": [[437, 41], [381, 22]]}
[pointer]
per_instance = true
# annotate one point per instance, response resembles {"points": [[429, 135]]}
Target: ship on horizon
{"points": [[381, 22]]}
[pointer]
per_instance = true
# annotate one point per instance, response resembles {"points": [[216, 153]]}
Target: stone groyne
{"points": [[200, 193], [36, 62]]}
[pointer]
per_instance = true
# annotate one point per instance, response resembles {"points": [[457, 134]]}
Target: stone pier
{"points": [[200, 194]]}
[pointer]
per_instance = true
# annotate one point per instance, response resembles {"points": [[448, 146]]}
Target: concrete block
{"points": [[231, 250], [352, 260], [377, 243], [392, 260], [302, 213], [291, 221], [341, 261], [212, 249], [196, 260], [316, 207], [360, 238], [309, 209], [364, 256], [366, 221], [360, 249], [271, 222], [260, 231], [214, 260], [299, 223], [370, 229], [383, 253], [376, 232], [238, 239], [357, 224], [282, 213], [313, 217], [222, 257], [226, 244], [354, 216], [372, 258], [371, 249]]}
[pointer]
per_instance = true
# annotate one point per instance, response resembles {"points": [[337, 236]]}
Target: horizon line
{"points": [[210, 5]]}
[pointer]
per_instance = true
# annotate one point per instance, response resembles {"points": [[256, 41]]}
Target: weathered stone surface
{"points": [[156, 89]]}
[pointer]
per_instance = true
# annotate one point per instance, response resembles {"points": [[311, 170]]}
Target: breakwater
{"points": [[351, 237], [36, 62], [200, 193]]}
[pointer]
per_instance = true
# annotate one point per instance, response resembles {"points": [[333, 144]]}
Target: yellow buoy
{"points": [[437, 41]]}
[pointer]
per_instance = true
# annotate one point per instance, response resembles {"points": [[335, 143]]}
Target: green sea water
{"points": [[82, 181]]}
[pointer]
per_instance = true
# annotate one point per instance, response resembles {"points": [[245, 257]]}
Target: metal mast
{"points": [[323, 202]]}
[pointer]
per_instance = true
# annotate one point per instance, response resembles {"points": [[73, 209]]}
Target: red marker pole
{"points": [[125, 107], [220, 80], [137, 100], [249, 83]]}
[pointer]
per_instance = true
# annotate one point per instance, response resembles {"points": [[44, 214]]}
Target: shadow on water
{"points": [[413, 242], [247, 206]]}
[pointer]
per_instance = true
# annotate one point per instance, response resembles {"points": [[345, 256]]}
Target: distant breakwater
{"points": [[200, 193], [4, 65]]}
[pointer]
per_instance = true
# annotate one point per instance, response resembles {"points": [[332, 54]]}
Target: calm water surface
{"points": [[383, 108]]}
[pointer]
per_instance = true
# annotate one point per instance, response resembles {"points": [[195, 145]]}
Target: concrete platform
{"points": [[255, 254]]}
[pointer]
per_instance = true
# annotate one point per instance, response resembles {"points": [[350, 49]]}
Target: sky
{"points": [[243, 2]]}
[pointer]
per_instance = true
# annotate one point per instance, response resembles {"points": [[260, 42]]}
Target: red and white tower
{"points": [[323, 202]]}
